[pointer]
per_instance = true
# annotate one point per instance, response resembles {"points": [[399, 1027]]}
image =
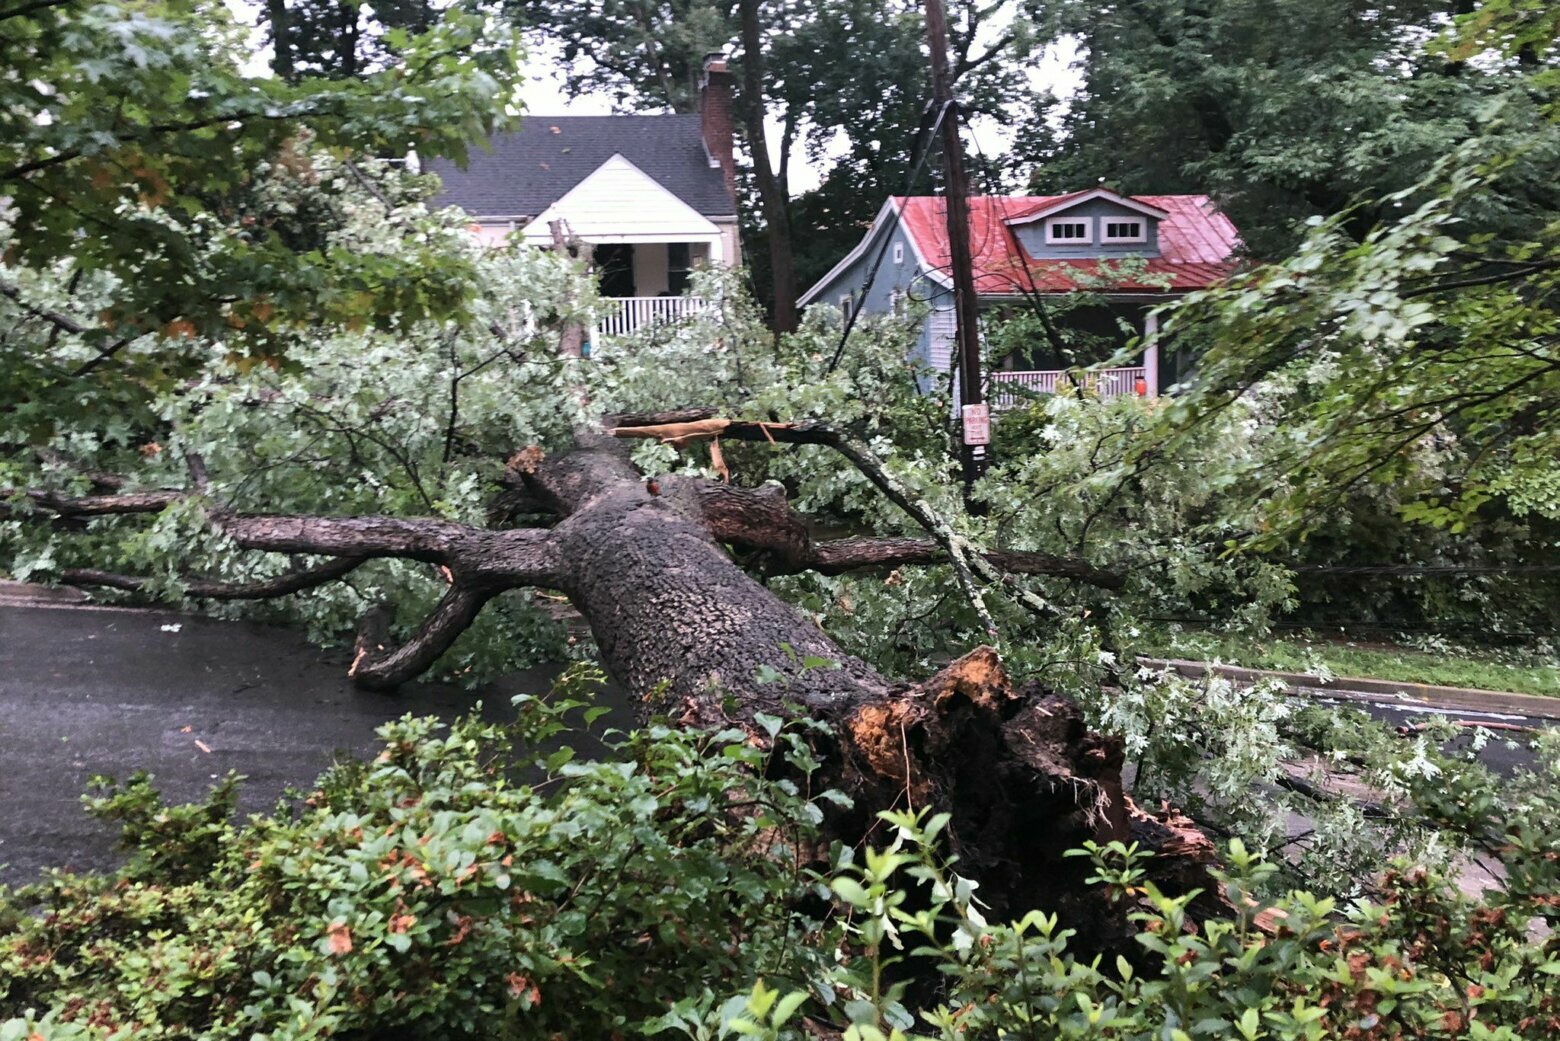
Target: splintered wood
{"points": [[679, 434]]}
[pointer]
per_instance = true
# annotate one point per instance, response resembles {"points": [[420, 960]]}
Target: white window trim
{"points": [[899, 253], [1107, 238], [1088, 231]]}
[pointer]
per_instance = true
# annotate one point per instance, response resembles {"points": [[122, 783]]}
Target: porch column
{"points": [[1151, 355], [717, 254]]}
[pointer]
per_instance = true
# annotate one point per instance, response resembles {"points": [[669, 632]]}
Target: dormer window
{"points": [[1069, 231], [1124, 230]]}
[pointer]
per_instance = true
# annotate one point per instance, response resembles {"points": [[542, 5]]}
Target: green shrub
{"points": [[434, 892], [480, 881], [1424, 961]]}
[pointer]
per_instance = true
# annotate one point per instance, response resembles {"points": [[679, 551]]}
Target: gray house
{"points": [[1131, 252]]}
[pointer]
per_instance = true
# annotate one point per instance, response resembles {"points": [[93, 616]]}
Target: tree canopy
{"points": [[1281, 111]]}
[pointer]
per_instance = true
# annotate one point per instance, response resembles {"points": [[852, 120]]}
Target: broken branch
{"points": [[967, 561], [378, 667], [202, 589]]}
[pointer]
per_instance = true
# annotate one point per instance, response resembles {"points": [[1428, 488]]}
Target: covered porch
{"points": [[648, 283], [1092, 335], [643, 245], [1006, 388]]}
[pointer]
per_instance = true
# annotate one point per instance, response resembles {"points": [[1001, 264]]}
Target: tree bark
{"points": [[701, 641], [771, 189], [281, 40]]}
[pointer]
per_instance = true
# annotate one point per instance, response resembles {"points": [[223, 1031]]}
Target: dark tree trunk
{"points": [[771, 191], [681, 625], [281, 40], [666, 604]]}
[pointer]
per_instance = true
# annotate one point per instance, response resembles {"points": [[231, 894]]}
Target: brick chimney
{"points": [[715, 116]]}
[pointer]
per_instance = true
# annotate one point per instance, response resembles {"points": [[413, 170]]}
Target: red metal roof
{"points": [[1196, 245]]}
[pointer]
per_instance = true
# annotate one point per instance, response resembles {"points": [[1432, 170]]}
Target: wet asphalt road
{"points": [[1504, 752], [86, 691]]}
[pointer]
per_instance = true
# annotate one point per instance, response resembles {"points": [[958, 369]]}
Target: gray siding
{"points": [[1032, 236], [890, 276], [936, 343], [901, 277]]}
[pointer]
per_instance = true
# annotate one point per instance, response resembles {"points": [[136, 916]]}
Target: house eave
{"points": [[1130, 296], [890, 205], [494, 218], [851, 257], [1069, 202]]}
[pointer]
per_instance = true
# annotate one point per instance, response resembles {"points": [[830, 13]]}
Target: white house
{"points": [[654, 196]]}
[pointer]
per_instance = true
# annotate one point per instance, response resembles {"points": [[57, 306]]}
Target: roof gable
{"points": [[1062, 203], [1197, 244], [618, 202], [527, 170], [891, 208]]}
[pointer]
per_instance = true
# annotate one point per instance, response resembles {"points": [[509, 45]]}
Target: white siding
{"points": [[621, 203], [728, 252], [940, 328]]}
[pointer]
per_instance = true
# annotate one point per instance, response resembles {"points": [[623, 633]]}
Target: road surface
{"points": [[87, 691]]}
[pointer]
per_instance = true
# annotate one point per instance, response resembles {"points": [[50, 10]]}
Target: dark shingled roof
{"points": [[530, 169]]}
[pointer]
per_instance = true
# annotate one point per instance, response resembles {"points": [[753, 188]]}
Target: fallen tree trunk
{"points": [[698, 639], [703, 642]]}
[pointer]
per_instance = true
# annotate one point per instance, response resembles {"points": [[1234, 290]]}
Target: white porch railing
{"points": [[1107, 383], [628, 314]]}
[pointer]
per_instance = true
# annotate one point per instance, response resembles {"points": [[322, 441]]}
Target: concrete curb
{"points": [[28, 594], [1468, 698]]}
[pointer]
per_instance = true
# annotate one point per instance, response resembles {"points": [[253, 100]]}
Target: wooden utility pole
{"points": [[974, 426]]}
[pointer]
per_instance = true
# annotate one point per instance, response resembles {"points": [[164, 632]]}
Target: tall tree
{"points": [[647, 54], [1282, 110], [338, 38], [129, 147], [771, 187]]}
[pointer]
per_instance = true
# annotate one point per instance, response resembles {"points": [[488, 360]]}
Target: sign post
{"points": [[977, 424]]}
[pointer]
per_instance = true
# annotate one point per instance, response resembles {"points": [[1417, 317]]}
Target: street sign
{"points": [[977, 424]]}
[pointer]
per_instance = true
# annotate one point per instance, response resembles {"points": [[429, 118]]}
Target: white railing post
{"points": [[1151, 355], [1105, 383], [628, 314]]}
